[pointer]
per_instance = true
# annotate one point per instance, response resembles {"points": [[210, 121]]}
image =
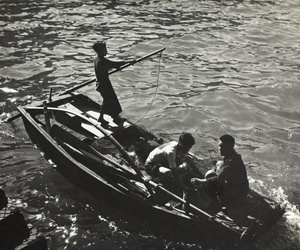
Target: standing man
{"points": [[102, 65], [230, 174]]}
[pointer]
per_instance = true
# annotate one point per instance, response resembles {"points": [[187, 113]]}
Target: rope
{"points": [[157, 81]]}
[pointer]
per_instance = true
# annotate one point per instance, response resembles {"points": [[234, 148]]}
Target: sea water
{"points": [[229, 67]]}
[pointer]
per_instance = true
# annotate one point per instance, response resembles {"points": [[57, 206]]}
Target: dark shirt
{"points": [[110, 105], [232, 175]]}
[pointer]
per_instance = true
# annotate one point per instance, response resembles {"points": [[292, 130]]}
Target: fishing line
{"points": [[157, 81]]}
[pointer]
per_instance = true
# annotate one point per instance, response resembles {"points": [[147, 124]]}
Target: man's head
{"points": [[186, 141], [226, 145], [100, 48]]}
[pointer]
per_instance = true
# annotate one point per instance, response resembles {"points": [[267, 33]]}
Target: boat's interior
{"points": [[88, 144]]}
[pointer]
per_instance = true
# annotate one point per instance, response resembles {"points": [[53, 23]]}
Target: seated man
{"points": [[165, 163], [228, 181]]}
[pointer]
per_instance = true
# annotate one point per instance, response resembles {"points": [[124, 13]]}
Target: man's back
{"points": [[233, 177], [163, 154]]}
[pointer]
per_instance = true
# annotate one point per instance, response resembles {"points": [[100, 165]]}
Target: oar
{"points": [[12, 118], [116, 70], [124, 153]]}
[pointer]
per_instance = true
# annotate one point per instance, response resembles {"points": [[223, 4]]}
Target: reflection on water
{"points": [[229, 67]]}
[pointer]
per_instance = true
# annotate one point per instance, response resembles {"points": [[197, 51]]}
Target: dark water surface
{"points": [[229, 67]]}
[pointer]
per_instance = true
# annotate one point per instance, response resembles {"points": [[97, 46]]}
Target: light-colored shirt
{"points": [[164, 154]]}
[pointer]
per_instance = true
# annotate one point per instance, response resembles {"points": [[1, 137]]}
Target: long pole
{"points": [[93, 80], [114, 71]]}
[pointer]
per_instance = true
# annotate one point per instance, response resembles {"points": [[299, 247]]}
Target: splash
{"points": [[292, 213], [3, 117], [6, 133]]}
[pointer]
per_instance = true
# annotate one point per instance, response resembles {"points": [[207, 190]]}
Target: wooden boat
{"points": [[108, 161]]}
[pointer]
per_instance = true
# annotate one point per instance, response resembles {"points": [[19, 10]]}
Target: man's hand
{"points": [[184, 168], [196, 182]]}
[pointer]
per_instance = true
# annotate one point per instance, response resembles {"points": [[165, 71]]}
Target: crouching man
{"points": [[166, 162]]}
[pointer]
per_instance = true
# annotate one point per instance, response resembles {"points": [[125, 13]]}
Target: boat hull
{"points": [[94, 178]]}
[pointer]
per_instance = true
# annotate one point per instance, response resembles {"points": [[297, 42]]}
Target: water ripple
{"points": [[229, 67]]}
